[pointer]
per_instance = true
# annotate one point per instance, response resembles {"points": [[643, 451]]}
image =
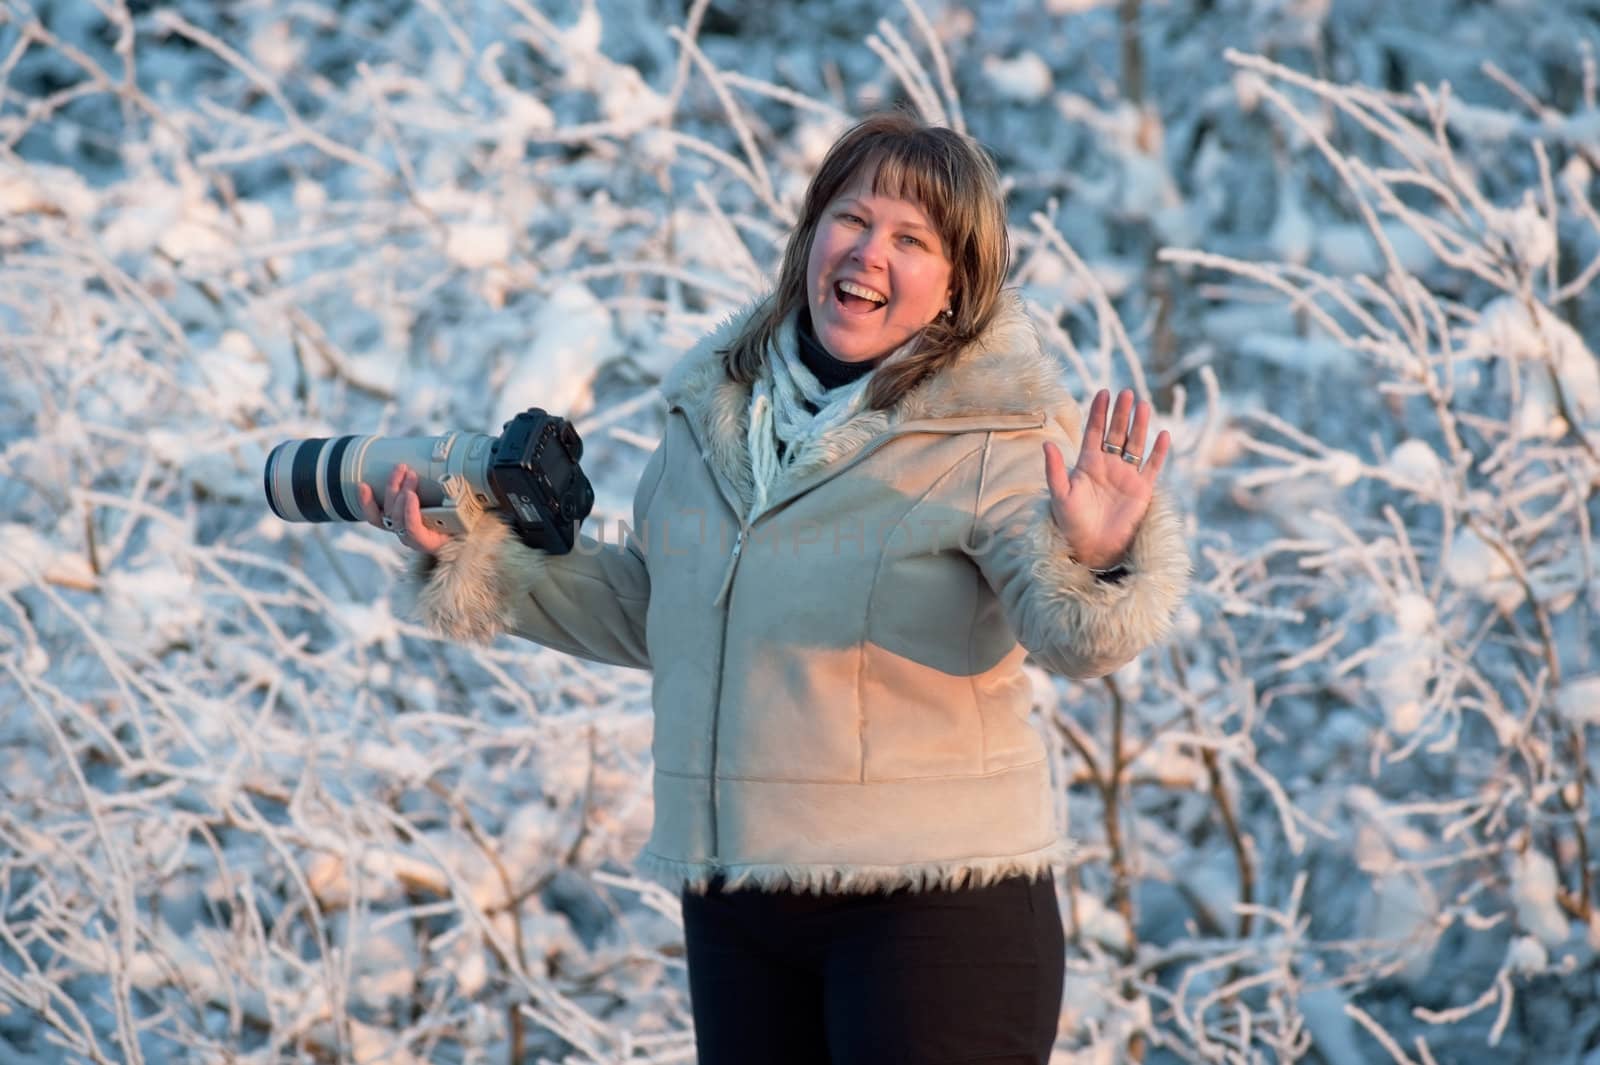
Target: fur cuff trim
{"points": [[1095, 625], [459, 592], [817, 879]]}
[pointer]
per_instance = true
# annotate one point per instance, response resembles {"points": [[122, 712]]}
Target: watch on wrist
{"points": [[1107, 573]]}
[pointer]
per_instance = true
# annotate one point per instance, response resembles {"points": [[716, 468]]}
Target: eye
{"points": [[853, 219], [916, 241]]}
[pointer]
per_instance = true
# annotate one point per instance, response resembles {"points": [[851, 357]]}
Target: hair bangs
{"points": [[910, 170]]}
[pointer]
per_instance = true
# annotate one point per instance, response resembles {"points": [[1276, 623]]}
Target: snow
{"points": [[1414, 614], [474, 245], [1512, 336], [1416, 461], [1579, 701], [1397, 677], [1402, 912], [1074, 7], [227, 727], [154, 604], [1024, 78], [275, 48], [1527, 232], [1533, 893], [1487, 125], [46, 190], [1480, 570], [1103, 925], [1527, 956], [235, 375], [28, 554], [570, 335]]}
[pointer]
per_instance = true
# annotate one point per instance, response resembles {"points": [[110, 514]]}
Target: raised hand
{"points": [[1100, 502], [401, 512]]}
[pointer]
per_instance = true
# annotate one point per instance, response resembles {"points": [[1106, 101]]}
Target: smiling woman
{"points": [[849, 797]]}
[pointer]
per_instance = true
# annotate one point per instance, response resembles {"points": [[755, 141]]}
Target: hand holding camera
{"points": [[401, 511], [436, 487]]}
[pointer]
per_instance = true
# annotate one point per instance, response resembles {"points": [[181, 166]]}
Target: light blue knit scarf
{"points": [[778, 412]]}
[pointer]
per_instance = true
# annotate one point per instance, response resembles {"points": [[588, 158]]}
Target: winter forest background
{"points": [[249, 812]]}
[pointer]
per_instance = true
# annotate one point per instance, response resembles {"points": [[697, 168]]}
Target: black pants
{"points": [[906, 978]]}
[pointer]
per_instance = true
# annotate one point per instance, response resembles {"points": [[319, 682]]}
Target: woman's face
{"points": [[877, 273]]}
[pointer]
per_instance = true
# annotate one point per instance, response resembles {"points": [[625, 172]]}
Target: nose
{"points": [[871, 248]]}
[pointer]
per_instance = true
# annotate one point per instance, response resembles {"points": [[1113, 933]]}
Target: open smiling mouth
{"points": [[854, 299]]}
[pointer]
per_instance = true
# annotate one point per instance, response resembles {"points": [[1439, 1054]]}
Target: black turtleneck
{"points": [[830, 372]]}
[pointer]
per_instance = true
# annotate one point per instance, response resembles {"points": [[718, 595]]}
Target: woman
{"points": [[857, 526]]}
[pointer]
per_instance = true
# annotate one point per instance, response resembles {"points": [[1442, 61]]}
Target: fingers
{"points": [[1129, 425], [1120, 417], [1096, 433], [369, 505], [392, 490], [410, 515], [400, 500], [401, 503], [1059, 482], [402, 509], [1158, 455], [1055, 471], [1094, 430], [1141, 426]]}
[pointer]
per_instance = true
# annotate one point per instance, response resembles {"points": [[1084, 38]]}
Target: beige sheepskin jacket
{"points": [[838, 689]]}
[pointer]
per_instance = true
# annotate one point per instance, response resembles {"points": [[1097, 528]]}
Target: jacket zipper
{"points": [[731, 499], [716, 706]]}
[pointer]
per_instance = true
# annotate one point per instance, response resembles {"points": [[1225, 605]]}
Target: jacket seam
{"points": [[861, 678], [866, 633], [972, 686], [972, 626], [856, 783]]}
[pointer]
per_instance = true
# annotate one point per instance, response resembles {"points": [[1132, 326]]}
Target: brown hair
{"points": [[955, 182]]}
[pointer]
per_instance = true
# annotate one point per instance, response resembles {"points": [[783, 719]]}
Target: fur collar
{"points": [[1004, 371]]}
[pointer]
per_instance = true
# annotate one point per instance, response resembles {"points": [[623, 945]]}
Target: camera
{"points": [[529, 473]]}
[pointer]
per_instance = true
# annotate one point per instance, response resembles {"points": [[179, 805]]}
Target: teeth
{"points": [[865, 293]]}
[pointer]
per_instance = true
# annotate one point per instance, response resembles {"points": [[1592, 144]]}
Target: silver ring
{"points": [[388, 523], [1112, 448], [1128, 456]]}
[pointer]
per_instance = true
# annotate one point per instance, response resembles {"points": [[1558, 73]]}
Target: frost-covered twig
{"points": [[1112, 331]]}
